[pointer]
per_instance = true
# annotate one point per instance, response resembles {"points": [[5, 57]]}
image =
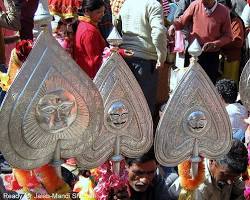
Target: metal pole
{"points": [[117, 158], [195, 164], [57, 159]]}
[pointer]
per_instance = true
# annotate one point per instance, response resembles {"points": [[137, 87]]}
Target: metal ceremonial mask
{"points": [[128, 126], [51, 105], [244, 85], [194, 122]]}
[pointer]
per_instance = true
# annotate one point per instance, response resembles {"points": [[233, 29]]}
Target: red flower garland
{"points": [[109, 181], [23, 49]]}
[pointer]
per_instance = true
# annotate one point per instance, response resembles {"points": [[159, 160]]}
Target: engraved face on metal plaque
{"points": [[126, 114], [51, 100], [56, 111], [194, 114], [197, 121], [118, 115]]}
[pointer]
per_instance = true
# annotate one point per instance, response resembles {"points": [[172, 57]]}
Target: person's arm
{"points": [[186, 18], [11, 18], [158, 32], [182, 21], [226, 32], [236, 38]]}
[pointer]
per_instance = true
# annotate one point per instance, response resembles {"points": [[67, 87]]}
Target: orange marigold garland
{"points": [[187, 183], [186, 180]]}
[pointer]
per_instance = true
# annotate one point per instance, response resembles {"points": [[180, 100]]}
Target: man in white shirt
{"points": [[236, 111], [145, 34]]}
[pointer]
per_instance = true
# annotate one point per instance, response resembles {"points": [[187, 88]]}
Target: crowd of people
{"points": [[148, 30]]}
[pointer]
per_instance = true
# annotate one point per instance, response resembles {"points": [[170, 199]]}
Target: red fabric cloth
{"points": [[64, 8], [207, 28], [7, 32], [88, 48]]}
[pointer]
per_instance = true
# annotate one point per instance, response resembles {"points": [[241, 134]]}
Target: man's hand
{"points": [[159, 65], [121, 194], [128, 53], [171, 31], [123, 52], [209, 47]]}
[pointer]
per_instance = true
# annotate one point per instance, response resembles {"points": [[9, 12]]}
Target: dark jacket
{"points": [[159, 189]]}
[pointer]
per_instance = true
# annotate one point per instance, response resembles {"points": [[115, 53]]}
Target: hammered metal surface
{"points": [[126, 114], [244, 85], [51, 99], [195, 111]]}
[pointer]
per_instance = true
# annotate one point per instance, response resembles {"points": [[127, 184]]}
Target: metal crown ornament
{"points": [[128, 126], [52, 110], [194, 122]]}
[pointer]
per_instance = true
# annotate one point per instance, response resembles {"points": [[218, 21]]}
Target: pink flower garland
{"points": [[109, 181]]}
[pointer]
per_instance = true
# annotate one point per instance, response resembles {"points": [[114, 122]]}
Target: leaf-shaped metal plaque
{"points": [[244, 85], [51, 99], [195, 114], [126, 114]]}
